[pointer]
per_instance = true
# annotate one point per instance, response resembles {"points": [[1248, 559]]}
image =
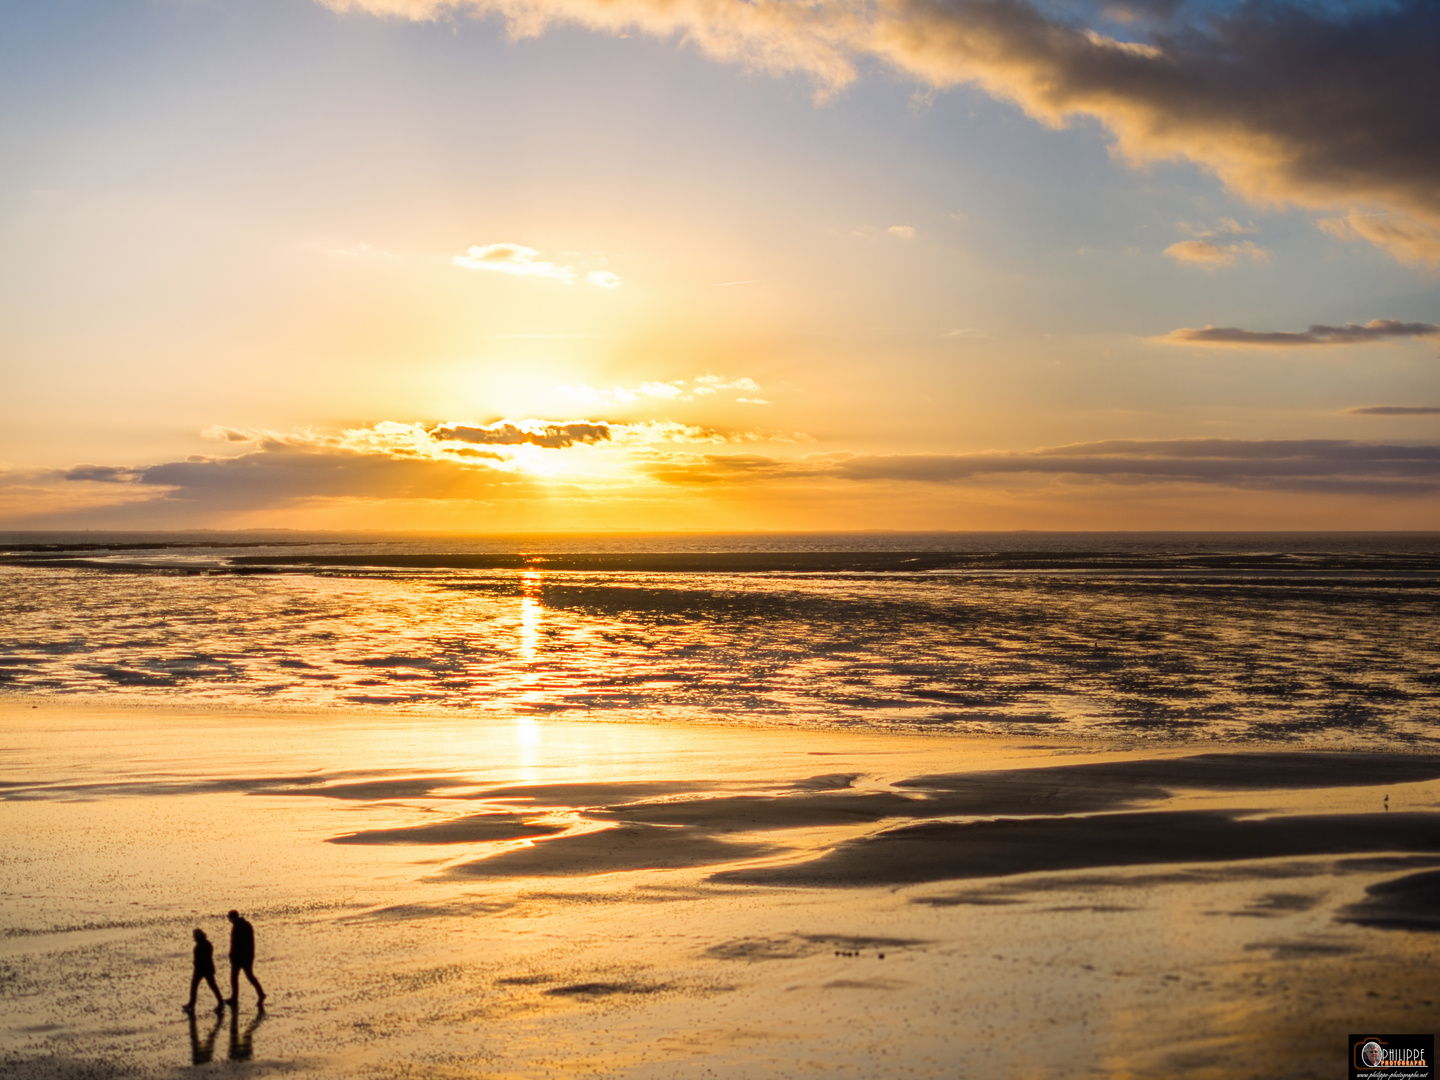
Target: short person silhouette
{"points": [[242, 958], [204, 968]]}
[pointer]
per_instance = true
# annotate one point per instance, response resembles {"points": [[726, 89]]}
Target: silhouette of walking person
{"points": [[242, 958], [203, 968]]}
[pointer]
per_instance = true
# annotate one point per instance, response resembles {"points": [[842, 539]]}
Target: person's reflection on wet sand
{"points": [[202, 1050], [242, 1045]]}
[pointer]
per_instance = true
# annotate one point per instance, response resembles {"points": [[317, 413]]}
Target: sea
{"points": [[1309, 639]]}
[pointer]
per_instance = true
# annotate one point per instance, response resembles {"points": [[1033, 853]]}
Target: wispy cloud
{"points": [[1411, 239], [522, 261], [714, 384], [1395, 410], [1204, 251], [1349, 334], [1333, 108], [1223, 227], [895, 232], [513, 259], [1211, 256], [675, 390], [361, 251]]}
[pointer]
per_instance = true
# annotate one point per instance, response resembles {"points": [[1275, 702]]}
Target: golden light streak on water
{"points": [[532, 613]]}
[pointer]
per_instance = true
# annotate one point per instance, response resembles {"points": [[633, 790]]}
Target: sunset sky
{"points": [[502, 265]]}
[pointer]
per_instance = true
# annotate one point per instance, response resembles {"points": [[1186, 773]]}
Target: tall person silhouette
{"points": [[242, 958], [203, 968]]}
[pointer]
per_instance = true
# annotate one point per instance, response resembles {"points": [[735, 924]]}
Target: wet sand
{"points": [[530, 898]]}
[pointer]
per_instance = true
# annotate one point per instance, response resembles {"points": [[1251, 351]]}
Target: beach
{"points": [[513, 897], [733, 539]]}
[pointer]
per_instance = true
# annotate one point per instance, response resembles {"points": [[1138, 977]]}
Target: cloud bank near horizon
{"points": [[415, 462], [1331, 466], [1334, 109]]}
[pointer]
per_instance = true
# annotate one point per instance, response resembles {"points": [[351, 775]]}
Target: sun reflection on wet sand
{"points": [[530, 690], [532, 614]]}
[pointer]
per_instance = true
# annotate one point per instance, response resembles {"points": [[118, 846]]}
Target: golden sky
{"points": [[504, 265]]}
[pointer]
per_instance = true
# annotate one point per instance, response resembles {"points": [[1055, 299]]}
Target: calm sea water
{"points": [[1319, 638]]}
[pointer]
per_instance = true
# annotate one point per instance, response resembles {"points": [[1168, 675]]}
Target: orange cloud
{"points": [[1410, 239], [1208, 255], [675, 390]]}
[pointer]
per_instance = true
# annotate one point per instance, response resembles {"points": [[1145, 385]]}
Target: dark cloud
{"points": [[1396, 410], [1284, 102], [1319, 334], [553, 436]]}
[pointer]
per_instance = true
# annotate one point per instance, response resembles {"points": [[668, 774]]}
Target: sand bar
{"points": [[527, 898]]}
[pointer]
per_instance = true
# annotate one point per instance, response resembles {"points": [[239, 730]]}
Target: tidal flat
{"points": [[510, 897]]}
